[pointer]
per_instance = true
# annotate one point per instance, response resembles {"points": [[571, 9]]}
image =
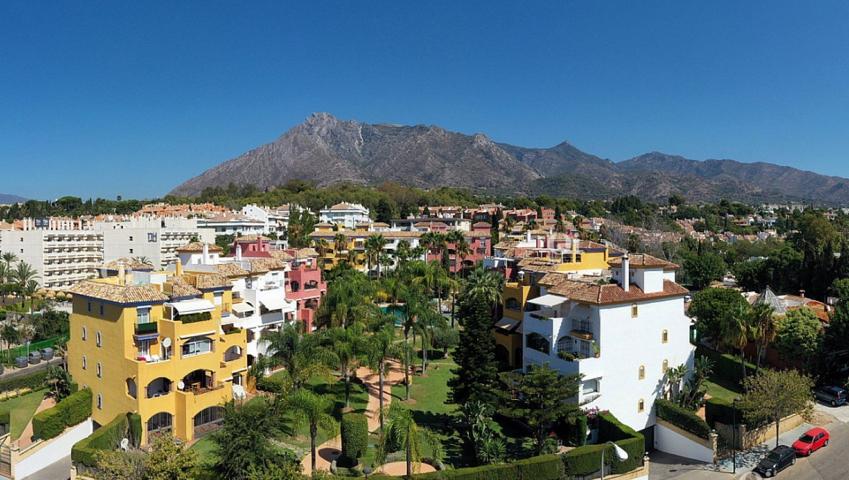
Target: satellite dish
{"points": [[181, 385], [166, 342], [125, 444]]}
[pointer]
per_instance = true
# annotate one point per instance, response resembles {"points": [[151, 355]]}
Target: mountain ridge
{"points": [[328, 150], [8, 198]]}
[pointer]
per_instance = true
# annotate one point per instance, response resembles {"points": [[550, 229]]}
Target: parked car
{"points": [[34, 357], [775, 461], [834, 396], [811, 441]]}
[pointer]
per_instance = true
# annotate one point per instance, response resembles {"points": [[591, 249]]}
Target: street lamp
{"points": [[620, 453]]}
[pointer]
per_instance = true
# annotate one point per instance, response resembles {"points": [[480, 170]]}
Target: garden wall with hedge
{"points": [[71, 411], [107, 437], [33, 382], [682, 418], [722, 411]]}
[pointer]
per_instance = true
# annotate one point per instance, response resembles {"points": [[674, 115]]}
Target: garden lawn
{"points": [[719, 388], [21, 409]]}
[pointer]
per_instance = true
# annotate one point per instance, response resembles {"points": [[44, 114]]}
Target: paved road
{"points": [[829, 463], [11, 373], [60, 470]]}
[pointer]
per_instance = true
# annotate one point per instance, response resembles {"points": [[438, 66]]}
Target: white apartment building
{"points": [[154, 238], [275, 221], [259, 294], [621, 337], [60, 257], [345, 214], [232, 224]]}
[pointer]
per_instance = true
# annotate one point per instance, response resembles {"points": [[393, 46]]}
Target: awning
{"points": [[243, 308], [194, 305], [273, 302], [548, 300]]}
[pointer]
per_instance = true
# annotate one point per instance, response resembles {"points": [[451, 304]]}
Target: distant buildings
{"points": [[344, 214]]}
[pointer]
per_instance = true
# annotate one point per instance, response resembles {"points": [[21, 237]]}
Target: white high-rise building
{"points": [[154, 238], [345, 214]]}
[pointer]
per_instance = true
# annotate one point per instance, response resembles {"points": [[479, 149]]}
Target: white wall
{"points": [[670, 441], [44, 453]]}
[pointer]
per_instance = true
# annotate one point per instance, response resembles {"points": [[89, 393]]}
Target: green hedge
{"points": [[273, 384], [584, 460], [354, 430], [34, 382], [5, 422], [194, 317], [633, 442], [135, 427], [682, 418], [725, 365], [545, 467], [719, 410], [71, 411], [106, 437]]}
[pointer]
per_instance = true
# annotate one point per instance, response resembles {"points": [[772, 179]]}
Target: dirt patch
{"points": [[397, 469]]}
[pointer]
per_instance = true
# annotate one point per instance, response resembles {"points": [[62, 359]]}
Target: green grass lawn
{"points": [[719, 388], [22, 409]]}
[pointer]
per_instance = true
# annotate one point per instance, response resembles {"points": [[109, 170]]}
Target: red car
{"points": [[811, 441]]}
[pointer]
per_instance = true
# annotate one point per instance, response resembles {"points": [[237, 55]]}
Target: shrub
{"points": [[719, 410], [194, 317], [135, 427], [275, 384], [354, 430], [583, 460], [579, 431], [725, 366], [71, 411], [34, 382], [106, 437], [633, 442], [564, 355], [682, 418]]}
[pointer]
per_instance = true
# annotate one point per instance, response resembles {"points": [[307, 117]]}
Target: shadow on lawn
{"points": [[442, 424]]}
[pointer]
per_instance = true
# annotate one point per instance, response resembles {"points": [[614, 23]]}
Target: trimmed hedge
{"points": [[106, 437], [354, 430], [195, 317], [719, 410], [630, 440], [71, 411], [585, 460], [135, 427], [33, 382], [545, 467], [725, 365], [682, 418], [273, 384]]}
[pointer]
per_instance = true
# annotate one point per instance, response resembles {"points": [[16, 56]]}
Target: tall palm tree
{"points": [[403, 351], [347, 347], [340, 243], [315, 412], [485, 285], [403, 253], [402, 430], [432, 276], [462, 250], [379, 349], [142, 260], [29, 290], [764, 327], [736, 331], [374, 249], [23, 274], [9, 258], [428, 321], [300, 355]]}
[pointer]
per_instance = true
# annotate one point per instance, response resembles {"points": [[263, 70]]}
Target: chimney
{"points": [[205, 257], [528, 236], [626, 273], [178, 268], [574, 250], [802, 293], [122, 276], [238, 252]]}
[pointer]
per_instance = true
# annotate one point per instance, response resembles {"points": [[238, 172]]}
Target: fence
{"points": [[7, 357]]}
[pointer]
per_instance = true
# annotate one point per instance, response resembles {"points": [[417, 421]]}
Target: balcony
{"points": [[146, 328], [582, 334]]}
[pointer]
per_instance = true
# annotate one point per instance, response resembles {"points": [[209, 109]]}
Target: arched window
{"points": [[512, 304], [159, 422], [665, 367], [98, 339], [99, 370], [131, 387], [85, 362], [538, 342], [85, 333], [664, 337], [99, 401], [641, 406], [642, 372]]}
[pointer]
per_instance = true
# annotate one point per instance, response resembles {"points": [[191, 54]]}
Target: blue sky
{"points": [[132, 98]]}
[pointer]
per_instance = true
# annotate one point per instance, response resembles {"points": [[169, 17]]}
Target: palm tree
{"points": [[485, 285], [402, 430], [314, 411], [374, 248], [347, 347], [142, 260], [340, 243], [300, 355], [432, 276], [379, 349], [403, 351], [9, 258], [763, 329], [462, 249], [736, 331], [403, 253], [29, 290], [23, 274], [427, 322]]}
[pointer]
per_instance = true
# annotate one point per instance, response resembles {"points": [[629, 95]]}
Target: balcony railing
{"points": [[144, 328]]}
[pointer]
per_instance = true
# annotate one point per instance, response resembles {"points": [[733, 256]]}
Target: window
{"points": [[217, 297], [85, 362], [665, 367], [85, 333], [590, 386], [131, 239], [99, 401], [634, 311], [143, 315], [196, 346], [101, 309], [537, 342], [664, 337], [89, 307], [642, 372], [144, 348], [131, 251], [99, 370], [98, 339], [151, 237], [641, 406]]}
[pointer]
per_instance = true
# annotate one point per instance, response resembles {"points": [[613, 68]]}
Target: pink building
{"points": [[479, 239], [305, 286]]}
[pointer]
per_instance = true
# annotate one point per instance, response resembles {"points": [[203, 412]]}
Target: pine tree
{"points": [[476, 377]]}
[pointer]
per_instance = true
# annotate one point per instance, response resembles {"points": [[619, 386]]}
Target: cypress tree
{"points": [[476, 377]]}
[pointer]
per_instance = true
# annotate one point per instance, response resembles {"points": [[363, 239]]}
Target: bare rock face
{"points": [[328, 150]]}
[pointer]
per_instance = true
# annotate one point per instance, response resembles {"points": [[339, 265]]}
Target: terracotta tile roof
{"points": [[538, 264], [262, 265], [506, 244], [346, 206], [481, 225], [551, 279], [197, 247], [252, 237], [642, 260], [123, 294], [324, 224], [129, 264], [207, 281], [231, 270], [307, 252], [611, 293], [178, 287], [281, 255]]}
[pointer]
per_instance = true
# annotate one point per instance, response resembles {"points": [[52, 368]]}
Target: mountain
{"points": [[7, 198], [328, 150]]}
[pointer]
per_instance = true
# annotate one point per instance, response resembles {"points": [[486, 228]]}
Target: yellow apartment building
{"points": [[153, 343]]}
